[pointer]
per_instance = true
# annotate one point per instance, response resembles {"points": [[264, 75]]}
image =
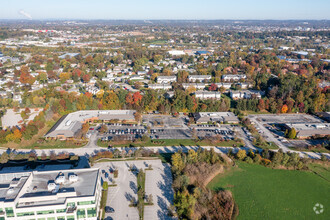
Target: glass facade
{"points": [[91, 212], [81, 213], [70, 204], [86, 203], [9, 212], [24, 214], [45, 212], [60, 210]]}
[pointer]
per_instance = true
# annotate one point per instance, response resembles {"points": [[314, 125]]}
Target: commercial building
{"points": [[220, 117], [52, 195], [176, 52], [70, 125], [306, 130]]}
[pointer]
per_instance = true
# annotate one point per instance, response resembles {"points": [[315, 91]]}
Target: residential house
{"points": [[207, 95], [166, 79], [200, 78]]}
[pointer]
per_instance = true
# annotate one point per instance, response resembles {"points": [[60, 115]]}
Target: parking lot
{"points": [[161, 127], [170, 133], [158, 183], [165, 121]]}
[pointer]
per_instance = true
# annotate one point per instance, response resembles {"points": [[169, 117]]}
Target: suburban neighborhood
{"points": [[163, 119]]}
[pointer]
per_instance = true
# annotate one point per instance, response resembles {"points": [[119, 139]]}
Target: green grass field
{"points": [[170, 142], [265, 193], [56, 144]]}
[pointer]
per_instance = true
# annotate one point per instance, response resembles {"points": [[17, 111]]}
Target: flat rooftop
{"points": [[286, 118], [32, 187], [310, 126], [214, 116], [68, 125]]}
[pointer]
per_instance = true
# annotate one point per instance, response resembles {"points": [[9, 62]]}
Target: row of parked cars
{"points": [[207, 126], [127, 131], [223, 132], [118, 124], [154, 131]]}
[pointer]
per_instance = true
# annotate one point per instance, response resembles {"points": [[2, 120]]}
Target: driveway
{"points": [[158, 184]]}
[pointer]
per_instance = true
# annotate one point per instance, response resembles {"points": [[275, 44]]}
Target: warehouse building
{"points": [[70, 125], [307, 130], [219, 117]]}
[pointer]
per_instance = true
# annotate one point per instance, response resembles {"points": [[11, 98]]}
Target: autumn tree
{"points": [[103, 129], [137, 116], [177, 163], [261, 105], [213, 87], [291, 133], [25, 77], [284, 108], [241, 154], [137, 97], [86, 78], [85, 128]]}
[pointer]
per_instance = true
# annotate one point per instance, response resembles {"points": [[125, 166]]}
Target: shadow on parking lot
{"points": [[165, 185], [133, 186], [129, 197], [162, 213]]}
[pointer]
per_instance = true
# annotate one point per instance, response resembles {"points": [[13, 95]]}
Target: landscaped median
{"points": [[104, 199], [170, 142]]}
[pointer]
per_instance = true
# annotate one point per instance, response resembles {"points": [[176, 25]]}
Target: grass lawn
{"points": [[169, 142], [56, 144], [320, 170], [255, 113], [267, 145], [315, 150], [264, 193]]}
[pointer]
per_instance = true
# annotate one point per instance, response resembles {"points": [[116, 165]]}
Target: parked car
{"points": [[108, 209]]}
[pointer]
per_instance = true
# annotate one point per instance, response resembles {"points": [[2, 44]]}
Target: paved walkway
{"points": [[167, 149]]}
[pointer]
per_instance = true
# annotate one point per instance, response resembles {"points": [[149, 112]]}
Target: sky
{"points": [[165, 9]]}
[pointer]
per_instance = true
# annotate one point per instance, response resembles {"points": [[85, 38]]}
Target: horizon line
{"points": [[164, 19]]}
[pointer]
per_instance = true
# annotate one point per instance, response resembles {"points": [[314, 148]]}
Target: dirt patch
{"points": [[202, 173]]}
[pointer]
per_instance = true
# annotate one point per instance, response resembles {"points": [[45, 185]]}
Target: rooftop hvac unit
{"points": [[73, 178], [51, 186], [68, 123], [10, 190], [60, 179]]}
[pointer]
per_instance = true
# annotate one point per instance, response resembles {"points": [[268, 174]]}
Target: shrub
{"points": [[248, 160], [105, 185]]}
